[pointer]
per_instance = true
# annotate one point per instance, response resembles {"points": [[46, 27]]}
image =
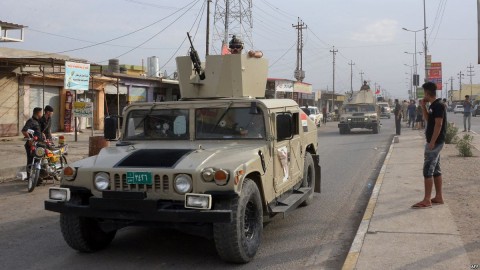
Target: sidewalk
{"points": [[13, 155], [392, 235]]}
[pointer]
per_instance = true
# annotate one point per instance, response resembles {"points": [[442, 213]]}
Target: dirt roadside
{"points": [[461, 178]]}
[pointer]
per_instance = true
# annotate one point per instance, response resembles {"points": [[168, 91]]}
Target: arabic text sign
{"points": [[435, 74], [77, 76], [83, 109]]}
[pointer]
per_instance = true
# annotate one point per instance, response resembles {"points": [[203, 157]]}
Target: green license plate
{"points": [[139, 178]]}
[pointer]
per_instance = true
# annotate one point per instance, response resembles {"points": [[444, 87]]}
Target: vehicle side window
{"points": [[296, 123]]}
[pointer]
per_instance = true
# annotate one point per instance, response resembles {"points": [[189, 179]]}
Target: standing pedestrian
{"points": [[398, 116], [46, 122], [33, 124], [405, 110], [324, 112], [436, 118], [412, 110], [419, 119], [467, 114]]}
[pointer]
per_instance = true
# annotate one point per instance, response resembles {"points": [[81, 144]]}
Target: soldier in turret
{"points": [[235, 45]]}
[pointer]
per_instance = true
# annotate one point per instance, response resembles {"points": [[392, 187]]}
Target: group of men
{"points": [[41, 125]]}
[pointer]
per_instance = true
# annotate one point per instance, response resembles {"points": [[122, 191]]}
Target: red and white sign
{"points": [[435, 74]]}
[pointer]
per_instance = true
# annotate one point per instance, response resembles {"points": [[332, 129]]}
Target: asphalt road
{"points": [[317, 236]]}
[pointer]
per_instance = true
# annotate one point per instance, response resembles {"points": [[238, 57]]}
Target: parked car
{"points": [[476, 110], [458, 109], [314, 114]]}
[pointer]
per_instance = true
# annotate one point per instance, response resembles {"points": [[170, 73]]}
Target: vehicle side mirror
{"points": [[284, 123]]}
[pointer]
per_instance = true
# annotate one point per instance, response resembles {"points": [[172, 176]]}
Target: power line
{"points": [[122, 36], [289, 49], [156, 34]]}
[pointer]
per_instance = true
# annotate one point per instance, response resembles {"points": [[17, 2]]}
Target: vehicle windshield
{"points": [[353, 108], [229, 123], [158, 124]]}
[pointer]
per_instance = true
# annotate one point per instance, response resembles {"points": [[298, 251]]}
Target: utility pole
{"points": [[207, 45], [470, 74], [351, 75], [361, 77], [425, 39], [460, 76], [334, 52], [451, 88], [299, 73], [446, 88]]}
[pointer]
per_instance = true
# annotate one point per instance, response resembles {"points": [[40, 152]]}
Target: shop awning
{"points": [[112, 89]]}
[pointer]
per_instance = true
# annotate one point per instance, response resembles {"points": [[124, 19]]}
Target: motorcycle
{"points": [[48, 160]]}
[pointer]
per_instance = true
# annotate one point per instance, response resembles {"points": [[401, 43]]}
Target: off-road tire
{"points": [[375, 130], [33, 179], [238, 241], [84, 234], [308, 178]]}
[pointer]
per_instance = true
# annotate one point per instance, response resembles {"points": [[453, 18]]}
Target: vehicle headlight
{"points": [[102, 180], [208, 174], [221, 177], [349, 119], [39, 151], [183, 183], [366, 118]]}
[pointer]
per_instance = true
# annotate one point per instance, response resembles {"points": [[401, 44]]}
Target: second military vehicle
{"points": [[360, 111], [218, 163]]}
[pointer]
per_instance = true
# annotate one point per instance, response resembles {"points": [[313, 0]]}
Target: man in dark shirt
{"points": [[33, 124], [435, 132], [412, 109], [398, 116], [46, 122]]}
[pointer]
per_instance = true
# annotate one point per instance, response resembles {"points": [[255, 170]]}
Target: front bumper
{"points": [[136, 209], [353, 124]]}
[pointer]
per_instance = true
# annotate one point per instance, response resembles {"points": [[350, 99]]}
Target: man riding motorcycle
{"points": [[34, 124]]}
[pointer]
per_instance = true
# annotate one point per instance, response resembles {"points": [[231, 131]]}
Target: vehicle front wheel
{"points": [[84, 234], [239, 240], [33, 179], [308, 178], [375, 130]]}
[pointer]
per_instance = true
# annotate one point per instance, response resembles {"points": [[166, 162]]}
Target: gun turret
{"points": [[197, 65]]}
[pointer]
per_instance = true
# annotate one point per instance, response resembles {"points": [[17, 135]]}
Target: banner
{"points": [[77, 76], [435, 74], [301, 87]]}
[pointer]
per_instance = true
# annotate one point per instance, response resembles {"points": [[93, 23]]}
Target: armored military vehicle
{"points": [[217, 163], [360, 111]]}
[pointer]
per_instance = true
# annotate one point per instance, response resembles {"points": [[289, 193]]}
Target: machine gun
{"points": [[197, 65]]}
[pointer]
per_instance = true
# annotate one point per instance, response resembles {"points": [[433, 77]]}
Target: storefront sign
{"points": [[435, 74], [83, 109], [302, 87], [77, 76], [137, 94], [284, 85]]}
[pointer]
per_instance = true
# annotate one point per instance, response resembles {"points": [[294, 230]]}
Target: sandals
{"points": [[421, 205], [435, 201]]}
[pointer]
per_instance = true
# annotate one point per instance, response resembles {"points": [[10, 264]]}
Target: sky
{"points": [[367, 32]]}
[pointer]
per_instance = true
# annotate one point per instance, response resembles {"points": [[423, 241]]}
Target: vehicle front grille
{"points": [[118, 182]]}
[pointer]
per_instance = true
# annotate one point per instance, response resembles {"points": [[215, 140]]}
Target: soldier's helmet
{"points": [[235, 45]]}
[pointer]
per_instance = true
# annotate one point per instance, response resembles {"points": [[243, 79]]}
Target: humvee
{"points": [[217, 163], [360, 111]]}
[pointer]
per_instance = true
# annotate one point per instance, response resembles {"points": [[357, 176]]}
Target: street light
{"points": [[415, 54]]}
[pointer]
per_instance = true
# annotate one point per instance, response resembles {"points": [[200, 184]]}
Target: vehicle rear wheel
{"points": [[33, 179], [84, 234], [239, 240], [308, 178]]}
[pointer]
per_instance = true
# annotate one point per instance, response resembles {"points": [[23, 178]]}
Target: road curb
{"points": [[352, 256]]}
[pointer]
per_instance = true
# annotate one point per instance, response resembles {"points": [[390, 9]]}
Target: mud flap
{"points": [[318, 174]]}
